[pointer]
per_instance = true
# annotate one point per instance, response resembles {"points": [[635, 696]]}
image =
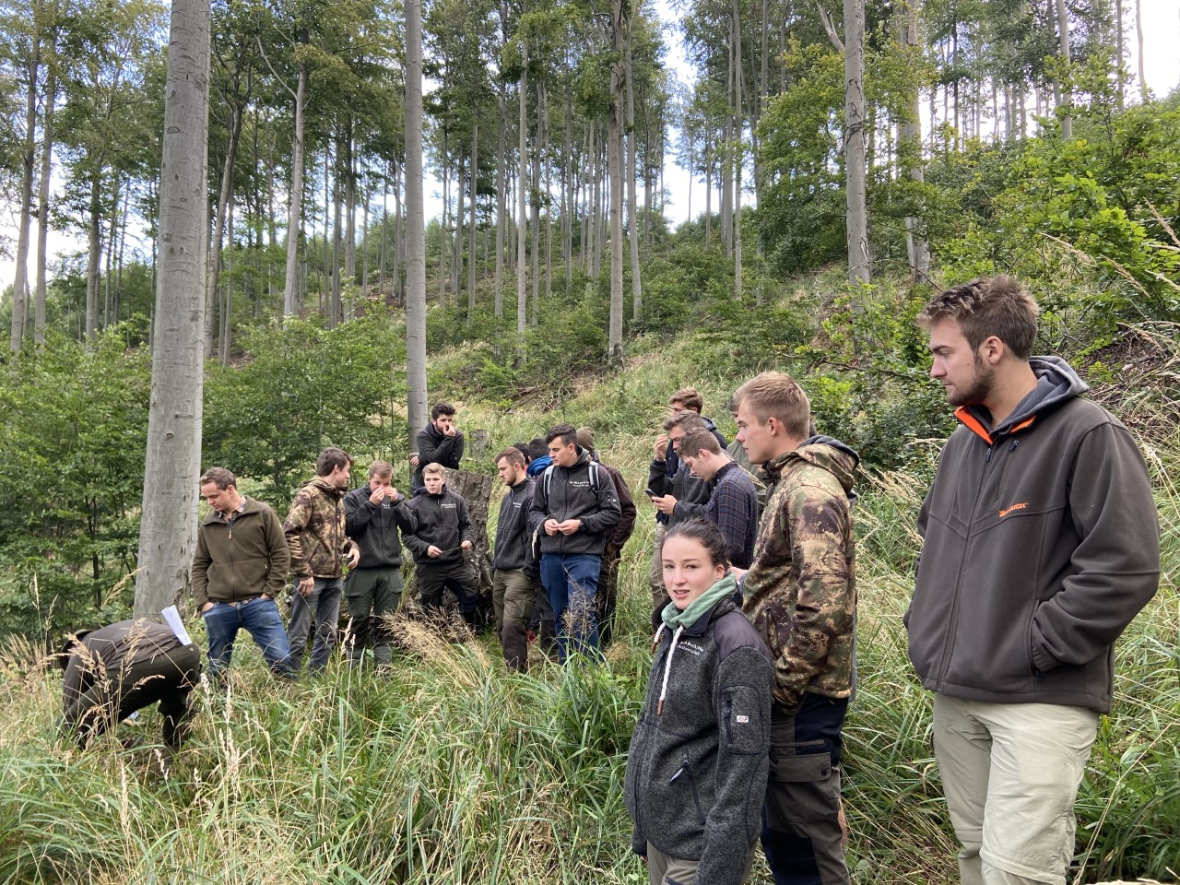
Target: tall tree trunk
{"points": [[444, 219], [224, 196], [738, 132], [349, 203], [1144, 92], [614, 341], [1120, 50], [522, 304], [708, 185], [43, 204], [228, 306], [535, 205], [854, 145], [415, 230], [94, 258], [909, 140], [474, 178], [1063, 49], [20, 283], [501, 195], [632, 204], [168, 527], [291, 300]]}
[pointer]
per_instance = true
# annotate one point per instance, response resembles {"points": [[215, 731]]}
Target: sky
{"points": [[1161, 37]]}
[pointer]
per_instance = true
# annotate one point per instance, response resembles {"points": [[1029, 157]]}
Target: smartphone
{"points": [[649, 493]]}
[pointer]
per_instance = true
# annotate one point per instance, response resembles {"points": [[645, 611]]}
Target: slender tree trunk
{"points": [[632, 203], [415, 229], [444, 220], [1120, 50], [94, 259], [228, 306], [349, 204], [708, 185], [1063, 49], [909, 140], [614, 131], [522, 201], [1144, 92], [291, 300], [43, 205], [460, 220], [501, 188], [474, 178], [535, 205], [168, 527], [738, 132], [20, 284], [335, 304], [224, 196], [854, 145]]}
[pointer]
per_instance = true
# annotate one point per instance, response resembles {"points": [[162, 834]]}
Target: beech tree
{"points": [[168, 526]]}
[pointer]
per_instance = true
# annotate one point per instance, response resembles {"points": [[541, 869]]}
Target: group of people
{"points": [[1040, 545]]}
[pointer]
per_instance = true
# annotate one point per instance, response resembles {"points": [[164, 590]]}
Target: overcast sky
{"points": [[1161, 37]]}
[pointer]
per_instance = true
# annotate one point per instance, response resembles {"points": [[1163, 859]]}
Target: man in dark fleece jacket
{"points": [[442, 534], [1040, 545], [439, 442], [372, 516], [577, 506], [514, 592]]}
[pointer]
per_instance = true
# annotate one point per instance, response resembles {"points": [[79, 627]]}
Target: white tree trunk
{"points": [[1063, 48], [909, 143], [43, 206], [614, 342], [20, 284], [632, 200], [522, 202], [415, 228], [168, 528]]}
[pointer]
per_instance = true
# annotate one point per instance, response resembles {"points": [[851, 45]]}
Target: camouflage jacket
{"points": [[800, 591], [315, 531]]}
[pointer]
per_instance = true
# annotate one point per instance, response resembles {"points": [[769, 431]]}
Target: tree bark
{"points": [[501, 188], [20, 284], [738, 130], [291, 298], [1063, 49], [168, 527], [522, 202], [415, 230], [909, 141], [614, 130], [474, 178], [854, 144], [43, 205], [632, 200], [224, 196]]}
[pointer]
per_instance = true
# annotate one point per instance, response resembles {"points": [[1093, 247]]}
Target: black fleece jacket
{"points": [[514, 527], [572, 493], [374, 527], [442, 522]]}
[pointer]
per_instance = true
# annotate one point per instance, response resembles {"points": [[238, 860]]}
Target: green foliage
{"points": [[305, 387], [73, 429]]}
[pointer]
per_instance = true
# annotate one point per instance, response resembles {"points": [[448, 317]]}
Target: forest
{"points": [[261, 277]]}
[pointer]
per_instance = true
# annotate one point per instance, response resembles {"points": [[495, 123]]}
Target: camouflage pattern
{"points": [[800, 592], [315, 531]]}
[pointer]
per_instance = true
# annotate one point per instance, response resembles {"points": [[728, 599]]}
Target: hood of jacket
{"points": [[825, 452], [1057, 383], [537, 467]]}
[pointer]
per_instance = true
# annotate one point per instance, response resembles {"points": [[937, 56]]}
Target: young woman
{"points": [[698, 763]]}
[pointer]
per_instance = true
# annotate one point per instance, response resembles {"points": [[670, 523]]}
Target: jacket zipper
{"points": [[686, 766]]}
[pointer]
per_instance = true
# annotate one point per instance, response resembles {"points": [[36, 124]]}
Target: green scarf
{"points": [[700, 606]]}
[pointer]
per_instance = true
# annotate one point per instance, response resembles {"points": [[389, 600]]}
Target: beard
{"points": [[977, 391]]}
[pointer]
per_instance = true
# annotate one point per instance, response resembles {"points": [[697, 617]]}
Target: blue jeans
{"points": [[571, 582], [260, 618], [319, 609]]}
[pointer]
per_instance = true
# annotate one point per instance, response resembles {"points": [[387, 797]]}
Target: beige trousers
{"points": [[1011, 773]]}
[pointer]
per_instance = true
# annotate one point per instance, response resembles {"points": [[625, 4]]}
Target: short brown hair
{"points": [[690, 421], [988, 306], [689, 398], [777, 395], [433, 468], [512, 455], [701, 440], [564, 432], [219, 476], [331, 458], [380, 468]]}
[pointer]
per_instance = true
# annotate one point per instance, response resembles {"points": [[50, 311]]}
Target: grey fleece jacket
{"points": [[1041, 543], [696, 772]]}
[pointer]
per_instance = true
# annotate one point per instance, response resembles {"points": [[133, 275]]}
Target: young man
{"points": [[442, 534], [372, 516], [612, 554], [239, 569], [733, 498], [800, 593], [577, 505], [439, 442], [514, 593], [121, 668], [676, 494], [1040, 545], [318, 541]]}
